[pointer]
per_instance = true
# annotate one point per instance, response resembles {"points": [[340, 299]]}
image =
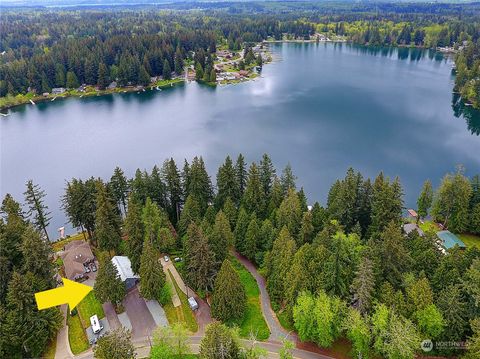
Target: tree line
{"points": [[348, 262]]}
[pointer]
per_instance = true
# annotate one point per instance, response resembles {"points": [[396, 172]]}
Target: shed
{"points": [[449, 240], [124, 268]]}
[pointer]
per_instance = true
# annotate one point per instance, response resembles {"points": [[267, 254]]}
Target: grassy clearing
{"points": [[49, 352], [184, 313], [284, 320], [76, 335], [428, 226], [88, 307], [470, 240], [253, 321], [58, 246]]}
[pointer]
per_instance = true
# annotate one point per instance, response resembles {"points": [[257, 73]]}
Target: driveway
{"points": [[111, 316], [277, 333], [140, 317], [202, 314]]}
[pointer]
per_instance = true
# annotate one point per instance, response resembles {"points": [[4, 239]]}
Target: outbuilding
{"points": [[124, 268]]}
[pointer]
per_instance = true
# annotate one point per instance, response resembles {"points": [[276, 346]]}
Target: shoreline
{"points": [[73, 93]]}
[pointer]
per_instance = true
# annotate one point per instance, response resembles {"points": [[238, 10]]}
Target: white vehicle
{"points": [[96, 327], [192, 303], [166, 258]]}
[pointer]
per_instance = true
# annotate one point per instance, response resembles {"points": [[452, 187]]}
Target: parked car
{"points": [[192, 303], [94, 268], [166, 258], [87, 269], [177, 259]]}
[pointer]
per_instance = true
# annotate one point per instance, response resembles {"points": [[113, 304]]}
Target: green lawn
{"points": [[76, 335], [470, 240], [428, 226], [284, 320], [253, 321], [88, 307], [58, 246], [185, 314]]}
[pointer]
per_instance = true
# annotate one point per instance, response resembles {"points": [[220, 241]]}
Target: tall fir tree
{"points": [[229, 300], [108, 285], [254, 198], [34, 197], [221, 238], [241, 177], [226, 183], [134, 231], [152, 277], [119, 188], [172, 179], [107, 221], [424, 201]]}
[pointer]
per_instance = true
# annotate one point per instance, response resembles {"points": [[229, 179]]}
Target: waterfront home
{"points": [[112, 86], [243, 73], [124, 268], [410, 227], [449, 240], [77, 255], [58, 90]]}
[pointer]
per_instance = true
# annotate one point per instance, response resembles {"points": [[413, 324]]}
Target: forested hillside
{"points": [[43, 49]]}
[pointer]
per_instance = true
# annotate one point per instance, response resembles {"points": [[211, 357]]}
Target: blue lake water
{"points": [[321, 107]]}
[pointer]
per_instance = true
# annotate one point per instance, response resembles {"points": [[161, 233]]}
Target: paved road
{"points": [[277, 333], [63, 346], [139, 315]]}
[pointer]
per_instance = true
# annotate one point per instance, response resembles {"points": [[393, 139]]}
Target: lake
{"points": [[321, 107]]}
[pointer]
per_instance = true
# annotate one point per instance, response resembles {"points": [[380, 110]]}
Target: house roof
{"points": [[76, 253], [124, 267], [450, 240], [412, 212], [409, 227]]}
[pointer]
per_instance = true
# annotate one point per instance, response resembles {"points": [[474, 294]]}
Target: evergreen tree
{"points": [[199, 184], [135, 232], [198, 72], [307, 229], [318, 217], [266, 237], [107, 222], [226, 183], [72, 80], [143, 76], [252, 239], [34, 197], [289, 214], [288, 179], [363, 285], [102, 76], [152, 277], [424, 202], [190, 214], [118, 187], [221, 237], [36, 255], [108, 285], [229, 300], [199, 260], [230, 212], [172, 179], [254, 197], [241, 230], [167, 71], [278, 264], [241, 177], [267, 174]]}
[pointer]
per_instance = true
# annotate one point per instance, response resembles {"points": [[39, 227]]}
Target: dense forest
{"points": [[43, 48], [347, 262]]}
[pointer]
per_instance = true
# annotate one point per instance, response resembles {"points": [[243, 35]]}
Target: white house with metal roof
{"points": [[124, 268]]}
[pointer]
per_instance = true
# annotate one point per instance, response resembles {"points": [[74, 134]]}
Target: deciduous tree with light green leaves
{"points": [[424, 201], [451, 202], [219, 342], [357, 330], [116, 345]]}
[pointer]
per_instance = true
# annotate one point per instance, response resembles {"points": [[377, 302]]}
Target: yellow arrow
{"points": [[71, 293]]}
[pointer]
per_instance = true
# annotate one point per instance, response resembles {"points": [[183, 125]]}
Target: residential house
{"points": [[76, 255], [124, 268], [58, 90]]}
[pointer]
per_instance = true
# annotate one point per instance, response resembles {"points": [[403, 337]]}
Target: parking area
{"points": [[92, 337], [141, 319]]}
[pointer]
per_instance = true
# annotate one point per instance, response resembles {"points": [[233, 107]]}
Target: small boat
{"points": [[81, 96], [158, 88], [31, 101], [4, 114], [143, 90], [53, 99]]}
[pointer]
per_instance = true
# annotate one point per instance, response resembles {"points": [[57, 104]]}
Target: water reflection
{"points": [[471, 115]]}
